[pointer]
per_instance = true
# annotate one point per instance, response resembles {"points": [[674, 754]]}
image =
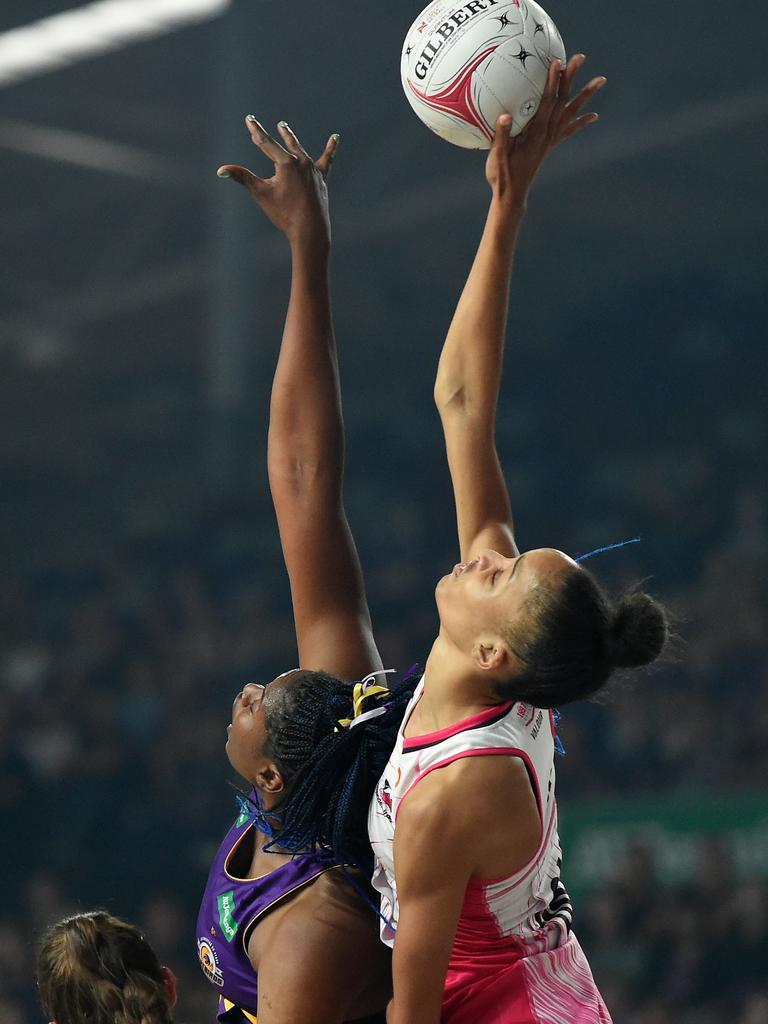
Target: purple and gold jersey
{"points": [[232, 906]]}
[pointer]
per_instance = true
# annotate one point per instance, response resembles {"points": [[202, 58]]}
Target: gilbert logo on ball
{"points": [[463, 64]]}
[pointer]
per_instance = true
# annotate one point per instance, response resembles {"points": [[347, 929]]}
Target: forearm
{"points": [[469, 370], [306, 437], [418, 991]]}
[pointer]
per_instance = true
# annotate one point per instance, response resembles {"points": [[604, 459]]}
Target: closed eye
{"points": [[257, 699]]}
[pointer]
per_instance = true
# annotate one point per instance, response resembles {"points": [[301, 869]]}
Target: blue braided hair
{"points": [[330, 770]]}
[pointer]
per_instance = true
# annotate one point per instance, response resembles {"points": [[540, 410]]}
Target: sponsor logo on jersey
{"points": [[384, 800], [537, 725], [229, 925], [209, 961]]}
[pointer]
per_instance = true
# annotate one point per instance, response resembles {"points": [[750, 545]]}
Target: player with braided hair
{"points": [[96, 968], [286, 930]]}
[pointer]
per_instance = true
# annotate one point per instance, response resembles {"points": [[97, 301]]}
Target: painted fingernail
{"points": [[224, 174], [251, 117], [282, 124], [336, 137]]}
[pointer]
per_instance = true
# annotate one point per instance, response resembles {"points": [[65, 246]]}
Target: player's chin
{"points": [[230, 749], [442, 583]]}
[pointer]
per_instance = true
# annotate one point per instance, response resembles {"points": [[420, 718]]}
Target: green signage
{"points": [[595, 834]]}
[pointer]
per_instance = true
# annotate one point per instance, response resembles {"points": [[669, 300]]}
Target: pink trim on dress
{"points": [[452, 730], [486, 752]]}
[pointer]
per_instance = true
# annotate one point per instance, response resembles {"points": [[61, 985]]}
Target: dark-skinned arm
{"points": [[306, 433]]}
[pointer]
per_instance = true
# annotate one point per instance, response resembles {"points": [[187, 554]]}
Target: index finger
{"points": [[549, 95], [269, 146], [568, 74]]}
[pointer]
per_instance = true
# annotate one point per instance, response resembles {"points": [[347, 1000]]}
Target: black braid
{"points": [[331, 771]]}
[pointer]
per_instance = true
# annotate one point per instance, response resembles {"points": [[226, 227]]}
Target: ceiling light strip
{"points": [[92, 30]]}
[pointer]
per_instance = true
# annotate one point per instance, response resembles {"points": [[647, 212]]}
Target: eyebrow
{"points": [[518, 560]]}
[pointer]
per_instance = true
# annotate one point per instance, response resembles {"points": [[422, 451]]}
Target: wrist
{"points": [[314, 241], [507, 211]]}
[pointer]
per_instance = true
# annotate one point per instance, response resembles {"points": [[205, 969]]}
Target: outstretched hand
{"points": [[513, 163], [295, 198]]}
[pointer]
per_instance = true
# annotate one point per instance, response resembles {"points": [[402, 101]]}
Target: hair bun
{"points": [[639, 631]]}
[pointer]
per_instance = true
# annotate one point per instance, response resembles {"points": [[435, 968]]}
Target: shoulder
{"points": [[304, 964], [454, 807], [328, 918], [469, 784]]}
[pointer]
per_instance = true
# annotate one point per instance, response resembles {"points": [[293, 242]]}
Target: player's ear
{"points": [[170, 985], [489, 654], [269, 779]]}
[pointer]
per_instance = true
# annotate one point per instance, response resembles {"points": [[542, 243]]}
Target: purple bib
{"points": [[231, 908]]}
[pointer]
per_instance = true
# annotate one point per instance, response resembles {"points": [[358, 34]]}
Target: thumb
{"points": [[242, 176], [501, 136]]}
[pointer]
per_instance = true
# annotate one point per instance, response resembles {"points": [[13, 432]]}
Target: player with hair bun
{"points": [[94, 967], [464, 820]]}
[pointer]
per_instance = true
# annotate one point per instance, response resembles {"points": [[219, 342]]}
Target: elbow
{"points": [[301, 480], [449, 396]]}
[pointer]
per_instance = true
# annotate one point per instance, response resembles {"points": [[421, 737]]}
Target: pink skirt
{"points": [[554, 987]]}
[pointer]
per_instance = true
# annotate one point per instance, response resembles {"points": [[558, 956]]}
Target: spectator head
{"points": [[94, 967], [541, 629]]}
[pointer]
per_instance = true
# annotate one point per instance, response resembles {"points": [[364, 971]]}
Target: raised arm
{"points": [[469, 371], [306, 433]]}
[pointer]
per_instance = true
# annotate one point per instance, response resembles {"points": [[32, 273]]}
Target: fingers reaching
{"points": [[269, 146], [567, 75], [576, 126], [292, 143], [292, 148], [243, 177], [589, 90], [328, 155], [549, 96]]}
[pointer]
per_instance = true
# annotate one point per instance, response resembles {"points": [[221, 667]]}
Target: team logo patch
{"points": [[229, 925], [209, 961]]}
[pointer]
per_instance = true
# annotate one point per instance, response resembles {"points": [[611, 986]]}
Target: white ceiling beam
{"points": [[91, 30], [93, 153]]}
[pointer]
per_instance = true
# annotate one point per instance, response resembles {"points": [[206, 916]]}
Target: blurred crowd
{"points": [[115, 690]]}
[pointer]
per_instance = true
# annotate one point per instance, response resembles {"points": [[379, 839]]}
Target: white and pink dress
{"points": [[515, 959]]}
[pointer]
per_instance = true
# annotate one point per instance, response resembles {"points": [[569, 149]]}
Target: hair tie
{"points": [[252, 811], [362, 692], [608, 547]]}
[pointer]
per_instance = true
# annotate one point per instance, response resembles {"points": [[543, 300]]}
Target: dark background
{"points": [[141, 301]]}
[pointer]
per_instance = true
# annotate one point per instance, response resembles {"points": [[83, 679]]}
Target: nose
{"points": [[249, 692], [489, 558]]}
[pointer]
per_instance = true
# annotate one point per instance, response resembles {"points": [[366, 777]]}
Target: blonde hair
{"points": [[98, 969]]}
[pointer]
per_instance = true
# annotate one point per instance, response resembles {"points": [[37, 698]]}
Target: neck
{"points": [[262, 838], [453, 686]]}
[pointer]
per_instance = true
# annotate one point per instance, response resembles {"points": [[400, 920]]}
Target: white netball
{"points": [[463, 64]]}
